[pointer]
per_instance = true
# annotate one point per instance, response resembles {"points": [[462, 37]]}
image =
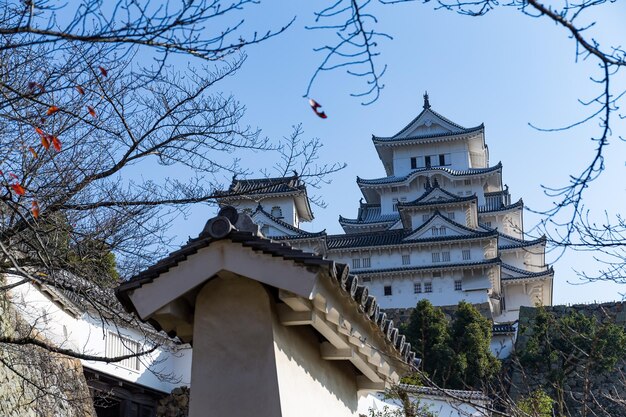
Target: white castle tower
{"points": [[440, 225]]}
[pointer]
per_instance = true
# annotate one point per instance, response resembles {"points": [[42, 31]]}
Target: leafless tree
{"points": [[105, 137], [568, 223]]}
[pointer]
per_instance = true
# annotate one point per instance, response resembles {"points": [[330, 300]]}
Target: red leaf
{"points": [[18, 189], [30, 148], [35, 209], [52, 110], [80, 90], [103, 71], [39, 131], [315, 106], [56, 143], [45, 141], [91, 111]]}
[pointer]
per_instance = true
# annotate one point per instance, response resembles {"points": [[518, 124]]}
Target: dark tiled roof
{"points": [[384, 238], [445, 393], [503, 328], [399, 237], [518, 204], [457, 173], [280, 185], [452, 198], [79, 295], [519, 243], [394, 139], [488, 262], [370, 214], [472, 233], [366, 306], [523, 273]]}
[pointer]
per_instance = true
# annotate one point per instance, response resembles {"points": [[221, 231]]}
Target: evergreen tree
{"points": [[429, 335], [474, 363], [454, 354]]}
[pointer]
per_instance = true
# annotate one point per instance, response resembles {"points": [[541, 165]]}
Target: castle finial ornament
{"points": [[426, 102]]}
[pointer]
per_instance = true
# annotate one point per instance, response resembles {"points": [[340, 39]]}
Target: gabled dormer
{"points": [[435, 199], [440, 226], [285, 198], [432, 140]]}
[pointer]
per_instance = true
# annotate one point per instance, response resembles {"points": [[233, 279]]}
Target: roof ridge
{"points": [[453, 172], [428, 135], [437, 213]]}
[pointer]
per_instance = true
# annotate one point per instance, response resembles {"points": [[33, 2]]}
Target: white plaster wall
{"points": [[403, 295], [286, 204], [421, 255], [502, 345], [309, 385], [459, 157], [87, 334]]}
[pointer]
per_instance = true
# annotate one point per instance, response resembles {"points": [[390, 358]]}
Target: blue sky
{"points": [[505, 69]]}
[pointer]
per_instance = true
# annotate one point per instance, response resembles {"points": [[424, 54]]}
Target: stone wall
{"points": [[607, 390], [175, 405], [401, 316], [35, 382]]}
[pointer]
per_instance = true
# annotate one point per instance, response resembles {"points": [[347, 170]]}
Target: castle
{"points": [[440, 225]]}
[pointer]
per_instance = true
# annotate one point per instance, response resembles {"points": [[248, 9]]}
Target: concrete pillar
{"points": [[234, 366]]}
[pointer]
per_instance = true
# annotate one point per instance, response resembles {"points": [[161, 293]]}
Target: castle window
{"points": [[367, 262], [425, 217], [442, 159], [387, 290], [122, 346], [436, 274], [445, 256], [467, 254], [488, 224], [406, 259], [417, 288], [442, 230], [428, 287], [435, 231], [356, 263], [458, 285], [427, 161], [395, 204], [451, 215], [414, 163], [277, 212], [468, 182], [436, 257]]}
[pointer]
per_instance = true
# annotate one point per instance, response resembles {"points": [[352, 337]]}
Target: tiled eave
{"points": [[461, 201], [448, 394], [395, 181], [412, 242], [356, 222], [503, 328], [524, 276], [519, 205], [436, 137], [432, 267], [522, 243]]}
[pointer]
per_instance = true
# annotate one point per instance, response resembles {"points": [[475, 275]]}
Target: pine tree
{"points": [[454, 354], [428, 332]]}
